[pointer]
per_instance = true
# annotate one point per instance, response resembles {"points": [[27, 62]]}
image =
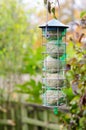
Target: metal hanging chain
{"points": [[46, 19], [58, 9], [47, 13]]}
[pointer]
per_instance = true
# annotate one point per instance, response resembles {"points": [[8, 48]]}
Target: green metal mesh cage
{"points": [[54, 64]]}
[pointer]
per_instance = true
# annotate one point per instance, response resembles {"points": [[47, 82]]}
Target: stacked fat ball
{"points": [[55, 50], [53, 78], [53, 97]]}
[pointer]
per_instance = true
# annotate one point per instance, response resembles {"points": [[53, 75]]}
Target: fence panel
{"points": [[27, 117]]}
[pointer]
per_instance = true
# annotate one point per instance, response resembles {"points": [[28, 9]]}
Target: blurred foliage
{"points": [[65, 10], [18, 52], [76, 80], [33, 89], [32, 60], [83, 13], [13, 35], [17, 38], [75, 74]]}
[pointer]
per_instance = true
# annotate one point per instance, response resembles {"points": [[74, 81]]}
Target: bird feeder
{"points": [[54, 62]]}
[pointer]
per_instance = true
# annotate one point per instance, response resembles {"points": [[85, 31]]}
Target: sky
{"points": [[34, 3], [37, 3]]}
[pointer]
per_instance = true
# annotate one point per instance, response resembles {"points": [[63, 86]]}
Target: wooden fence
{"points": [[21, 116]]}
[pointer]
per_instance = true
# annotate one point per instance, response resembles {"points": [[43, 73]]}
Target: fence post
{"points": [[45, 114], [35, 117], [23, 114], [5, 117], [13, 117]]}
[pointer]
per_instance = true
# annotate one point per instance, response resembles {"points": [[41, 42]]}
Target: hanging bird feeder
{"points": [[54, 62]]}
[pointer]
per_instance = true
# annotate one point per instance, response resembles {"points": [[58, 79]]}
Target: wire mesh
{"points": [[54, 64]]}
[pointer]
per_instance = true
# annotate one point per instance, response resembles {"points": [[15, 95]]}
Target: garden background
{"points": [[20, 65]]}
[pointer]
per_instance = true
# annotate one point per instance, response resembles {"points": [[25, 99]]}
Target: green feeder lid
{"points": [[53, 23]]}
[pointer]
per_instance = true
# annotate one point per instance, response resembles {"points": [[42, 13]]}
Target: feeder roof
{"points": [[53, 23]]}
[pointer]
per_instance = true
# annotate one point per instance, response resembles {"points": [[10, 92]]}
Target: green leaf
{"points": [[83, 13]]}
